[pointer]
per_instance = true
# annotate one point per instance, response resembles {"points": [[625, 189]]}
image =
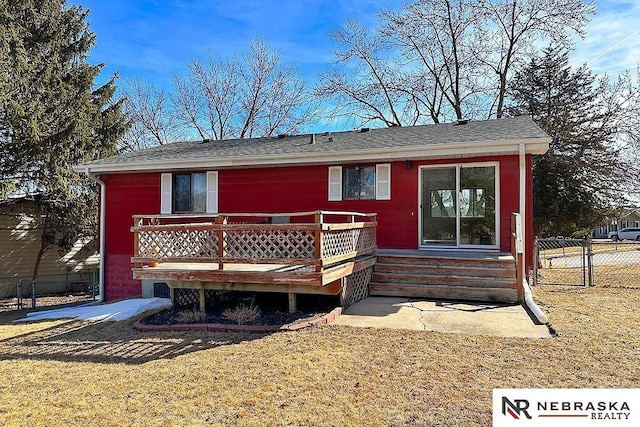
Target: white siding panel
{"points": [[383, 181], [212, 192], [335, 183], [165, 193]]}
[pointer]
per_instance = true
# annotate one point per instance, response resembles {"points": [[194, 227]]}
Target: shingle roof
{"points": [[423, 138]]}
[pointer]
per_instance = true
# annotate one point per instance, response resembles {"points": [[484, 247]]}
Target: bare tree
{"points": [[206, 100], [251, 96], [368, 91], [623, 95], [149, 112], [437, 40], [513, 26], [435, 60]]}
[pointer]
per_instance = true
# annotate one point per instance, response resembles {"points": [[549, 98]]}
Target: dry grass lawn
{"points": [[107, 374]]}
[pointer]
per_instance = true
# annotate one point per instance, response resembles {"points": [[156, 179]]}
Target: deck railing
{"points": [[517, 249], [318, 238]]}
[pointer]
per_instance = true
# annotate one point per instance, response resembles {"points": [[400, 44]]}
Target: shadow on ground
{"points": [[109, 342]]}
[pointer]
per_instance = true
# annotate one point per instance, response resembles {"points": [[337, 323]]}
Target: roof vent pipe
{"points": [[313, 138]]}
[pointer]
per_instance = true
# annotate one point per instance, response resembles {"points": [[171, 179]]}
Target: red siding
{"points": [[287, 189], [127, 195]]}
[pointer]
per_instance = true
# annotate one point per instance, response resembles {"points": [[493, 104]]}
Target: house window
{"points": [[189, 192], [359, 182]]}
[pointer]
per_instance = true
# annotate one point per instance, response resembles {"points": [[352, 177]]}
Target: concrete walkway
{"points": [[120, 310], [441, 316]]}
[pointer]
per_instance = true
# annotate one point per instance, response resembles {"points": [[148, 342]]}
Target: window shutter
{"points": [[335, 183], [165, 193], [383, 181], [212, 192]]}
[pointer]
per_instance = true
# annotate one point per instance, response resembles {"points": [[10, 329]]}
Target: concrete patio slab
{"points": [[443, 316]]}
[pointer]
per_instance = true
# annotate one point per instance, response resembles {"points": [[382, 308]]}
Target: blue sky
{"points": [[152, 39]]}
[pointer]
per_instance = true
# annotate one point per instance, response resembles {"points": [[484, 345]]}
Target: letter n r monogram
{"points": [[516, 408]]}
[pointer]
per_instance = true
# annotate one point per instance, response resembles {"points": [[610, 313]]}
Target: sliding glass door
{"points": [[458, 206]]}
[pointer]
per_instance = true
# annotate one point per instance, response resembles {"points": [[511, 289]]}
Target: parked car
{"points": [[629, 233]]}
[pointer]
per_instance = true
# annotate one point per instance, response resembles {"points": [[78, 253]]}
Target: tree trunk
{"points": [[41, 252]]}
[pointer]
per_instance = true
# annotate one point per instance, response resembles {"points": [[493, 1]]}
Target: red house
{"points": [[443, 196]]}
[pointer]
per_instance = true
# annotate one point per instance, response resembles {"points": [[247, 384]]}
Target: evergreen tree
{"points": [[580, 180], [53, 115]]}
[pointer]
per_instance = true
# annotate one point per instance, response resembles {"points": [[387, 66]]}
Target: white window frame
{"points": [[382, 183], [166, 193]]}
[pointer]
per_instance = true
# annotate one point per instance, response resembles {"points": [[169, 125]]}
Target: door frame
{"points": [[458, 166]]}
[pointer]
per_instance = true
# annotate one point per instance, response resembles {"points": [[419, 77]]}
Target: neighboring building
{"points": [[20, 232], [447, 187], [629, 218]]}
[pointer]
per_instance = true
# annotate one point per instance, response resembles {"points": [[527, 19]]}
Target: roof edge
{"points": [[538, 145]]}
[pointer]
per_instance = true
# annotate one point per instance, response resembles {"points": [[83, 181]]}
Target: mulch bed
{"points": [[170, 316], [273, 307]]}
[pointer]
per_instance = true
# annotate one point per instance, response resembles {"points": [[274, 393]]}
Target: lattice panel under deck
{"points": [[186, 298], [270, 244], [178, 243], [344, 241], [356, 286]]}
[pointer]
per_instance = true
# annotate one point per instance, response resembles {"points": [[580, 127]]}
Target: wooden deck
{"points": [[320, 252], [254, 252]]}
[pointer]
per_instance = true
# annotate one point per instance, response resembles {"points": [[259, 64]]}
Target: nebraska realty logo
{"points": [[574, 407]]}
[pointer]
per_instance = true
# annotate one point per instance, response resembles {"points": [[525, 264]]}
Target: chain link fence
{"points": [[616, 263], [584, 262], [25, 294]]}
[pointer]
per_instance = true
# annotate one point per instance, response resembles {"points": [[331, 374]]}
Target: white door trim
{"points": [[458, 166]]}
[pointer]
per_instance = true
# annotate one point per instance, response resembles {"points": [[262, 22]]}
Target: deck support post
{"points": [[292, 302], [201, 299], [343, 291]]}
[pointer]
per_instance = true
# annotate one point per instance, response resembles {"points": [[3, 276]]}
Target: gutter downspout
{"points": [[528, 297], [103, 194]]}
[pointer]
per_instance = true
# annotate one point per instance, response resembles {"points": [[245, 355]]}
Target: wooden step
{"points": [[468, 293], [444, 279], [494, 261], [470, 276], [451, 270]]}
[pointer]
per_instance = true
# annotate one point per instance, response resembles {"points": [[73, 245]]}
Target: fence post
{"points": [[590, 261], [19, 294], [536, 261], [33, 294], [93, 286]]}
